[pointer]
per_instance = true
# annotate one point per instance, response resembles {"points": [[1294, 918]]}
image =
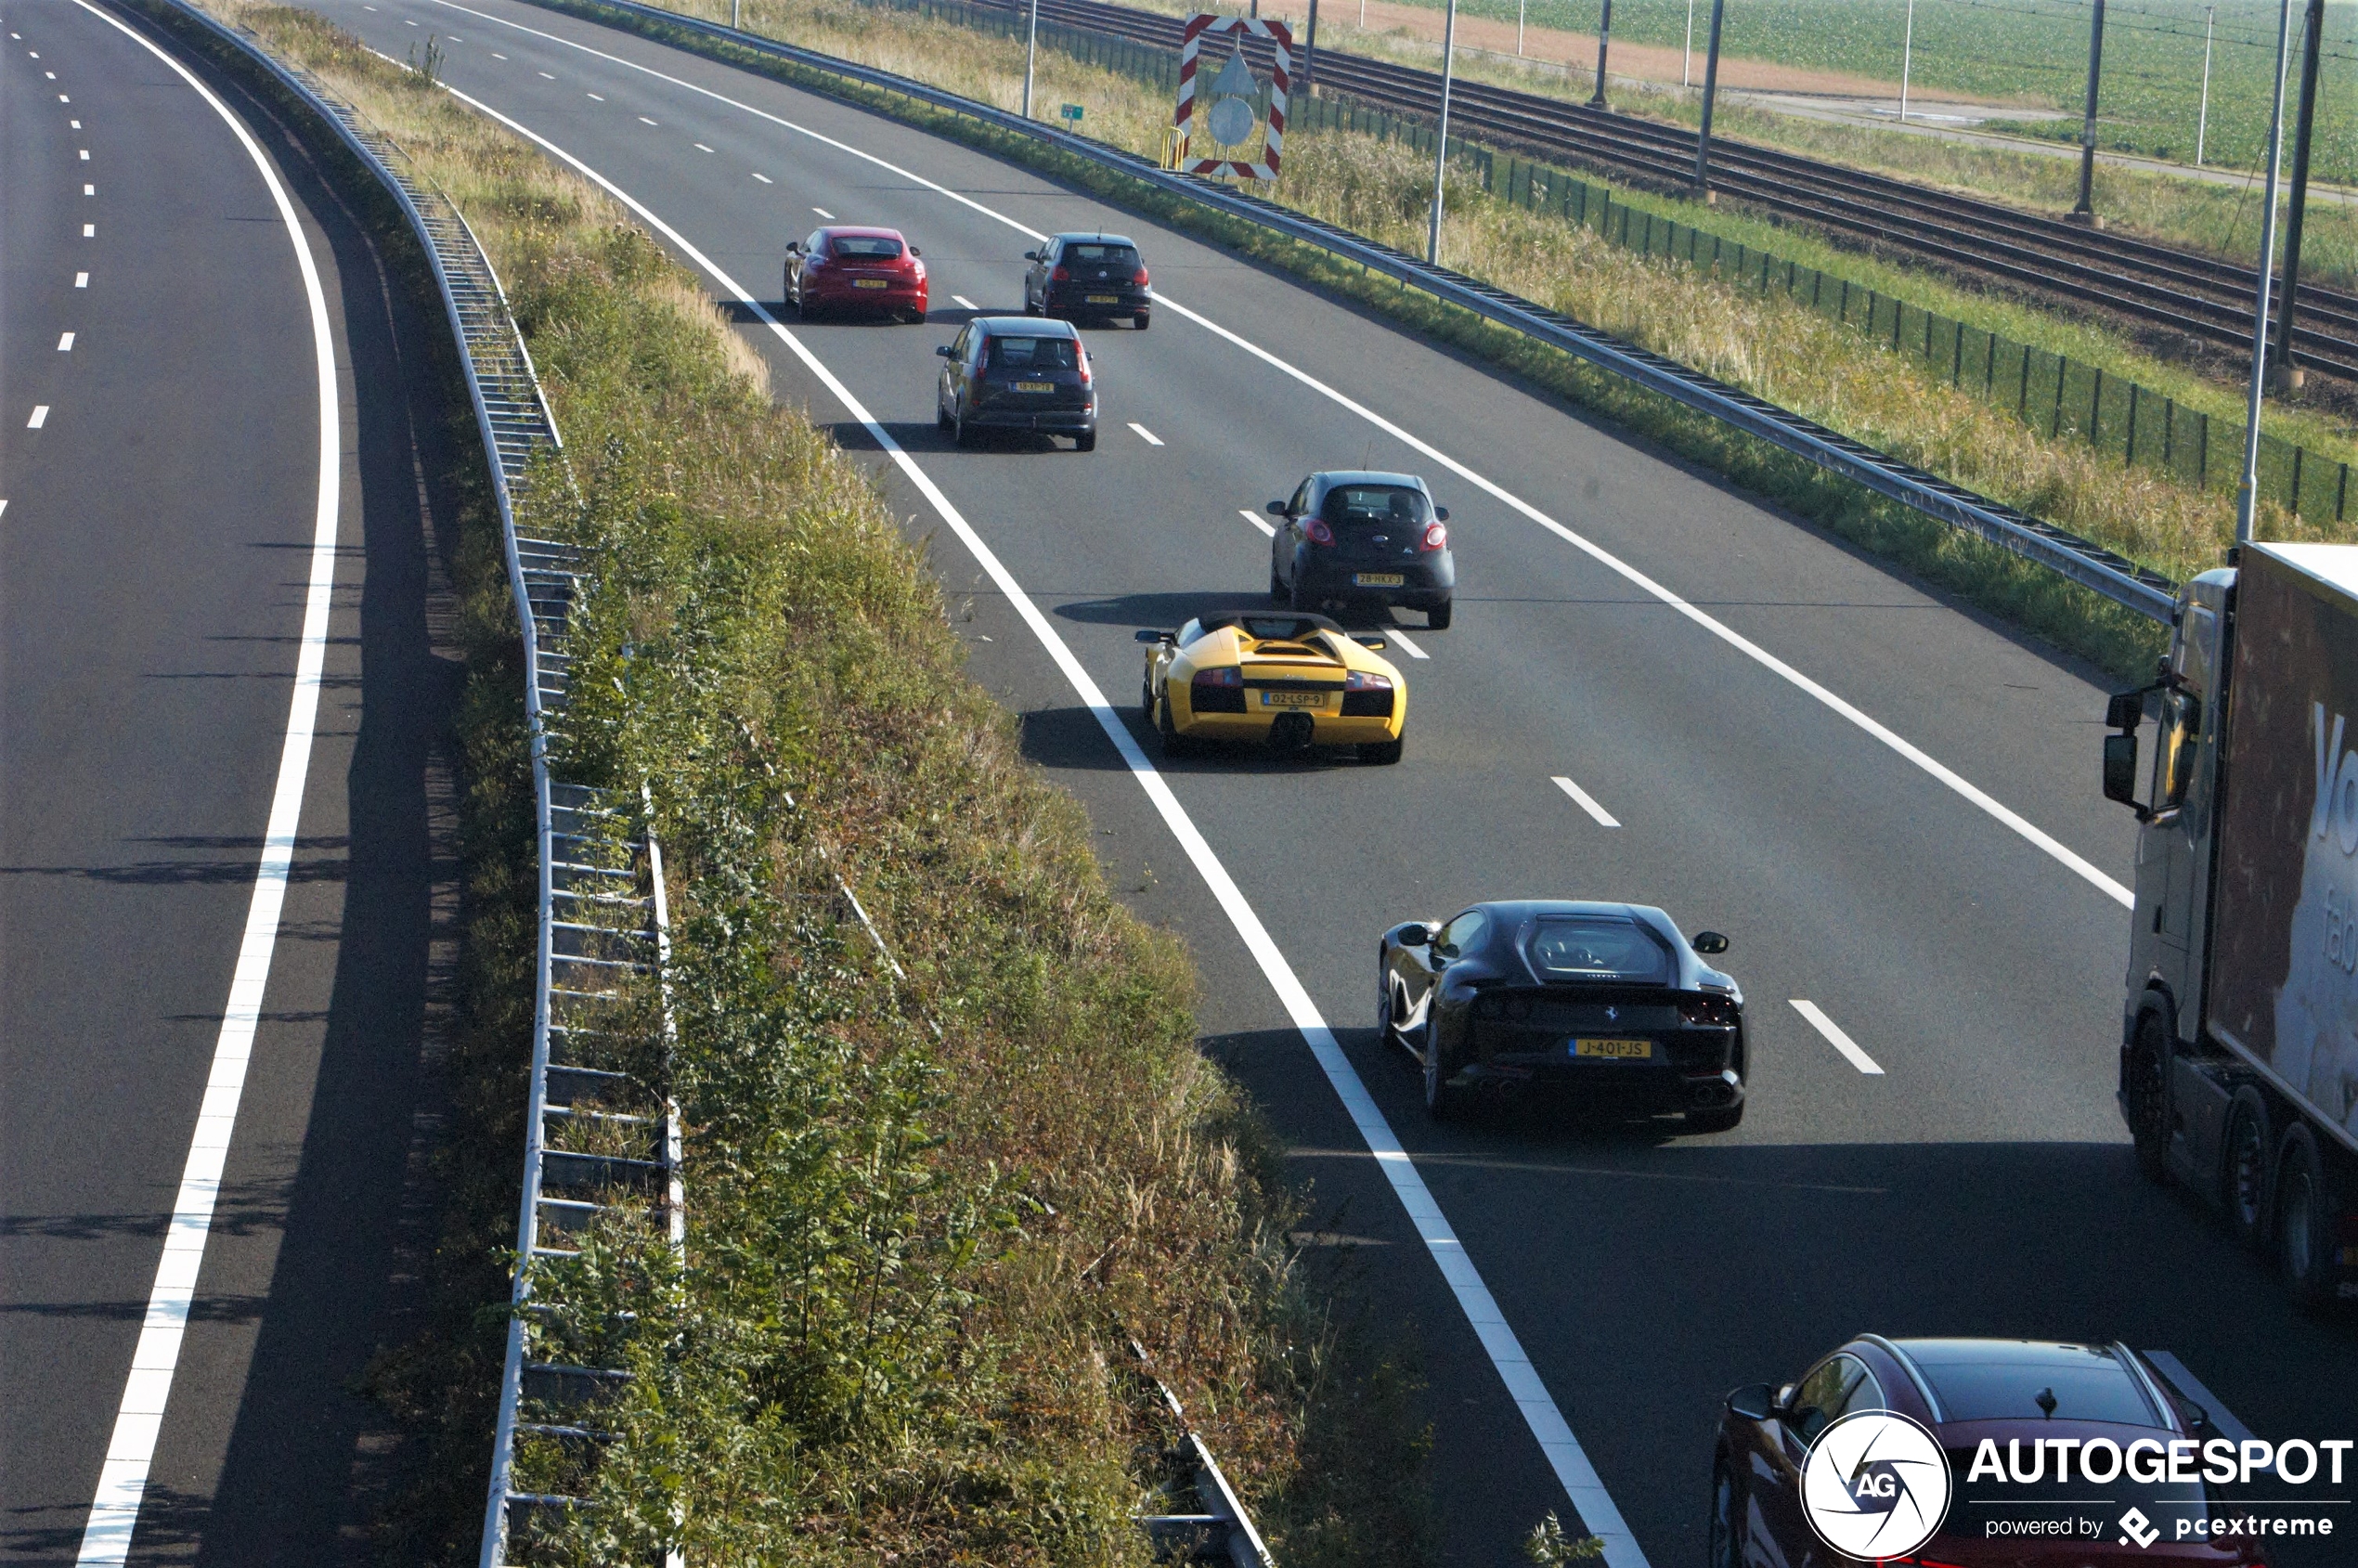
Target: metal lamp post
{"points": [[1030, 54], [2202, 120], [2248, 491], [2084, 211], [1710, 92], [1907, 60], [1441, 143], [1604, 36]]}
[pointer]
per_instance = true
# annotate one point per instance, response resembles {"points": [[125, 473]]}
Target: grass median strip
{"points": [[928, 1208]]}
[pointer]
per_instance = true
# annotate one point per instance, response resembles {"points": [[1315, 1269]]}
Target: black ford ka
{"points": [[1608, 1001]]}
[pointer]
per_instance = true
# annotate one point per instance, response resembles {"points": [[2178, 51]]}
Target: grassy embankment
{"points": [[2147, 110], [912, 1258], [1775, 347]]}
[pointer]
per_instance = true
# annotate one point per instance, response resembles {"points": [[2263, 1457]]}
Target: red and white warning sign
{"points": [[1229, 117]]}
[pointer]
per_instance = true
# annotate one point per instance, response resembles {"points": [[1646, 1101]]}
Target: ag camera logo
{"points": [[1875, 1485]]}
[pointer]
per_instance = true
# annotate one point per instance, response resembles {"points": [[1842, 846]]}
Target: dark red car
{"points": [[1963, 1392], [855, 269]]}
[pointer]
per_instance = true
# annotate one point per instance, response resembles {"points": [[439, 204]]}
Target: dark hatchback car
{"points": [[1372, 538], [1963, 1391], [1094, 276], [1008, 372], [1607, 1001], [868, 270]]}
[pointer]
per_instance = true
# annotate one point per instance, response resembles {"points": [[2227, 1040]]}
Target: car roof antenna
{"points": [[2045, 1400]]}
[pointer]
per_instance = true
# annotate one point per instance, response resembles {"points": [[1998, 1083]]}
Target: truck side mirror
{"points": [[2120, 767], [2126, 710]]}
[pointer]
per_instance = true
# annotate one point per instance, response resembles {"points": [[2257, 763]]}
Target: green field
{"points": [[2036, 51]]}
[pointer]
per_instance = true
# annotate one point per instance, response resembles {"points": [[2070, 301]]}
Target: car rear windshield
{"points": [[1031, 354], [1596, 948], [1101, 255], [1367, 506], [1996, 1384], [864, 247]]}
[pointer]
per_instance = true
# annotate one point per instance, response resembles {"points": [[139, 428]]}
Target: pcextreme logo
{"points": [[1875, 1485]]}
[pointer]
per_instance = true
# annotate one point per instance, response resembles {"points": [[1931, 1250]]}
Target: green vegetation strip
{"points": [[927, 1212]]}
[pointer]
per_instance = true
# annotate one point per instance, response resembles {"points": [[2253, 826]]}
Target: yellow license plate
{"points": [[1292, 699], [1618, 1049], [1035, 386], [1376, 580], [871, 283], [1104, 299]]}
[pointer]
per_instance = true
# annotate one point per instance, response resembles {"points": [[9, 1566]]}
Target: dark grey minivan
{"points": [[1011, 373]]}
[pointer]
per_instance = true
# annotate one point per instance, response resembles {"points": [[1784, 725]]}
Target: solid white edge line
{"points": [[1148, 436], [1393, 632], [1835, 1037], [122, 1478], [1262, 523], [2063, 853], [1586, 802], [1524, 1386]]}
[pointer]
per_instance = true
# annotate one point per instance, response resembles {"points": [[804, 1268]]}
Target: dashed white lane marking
{"points": [[1533, 1401], [85, 155], [1148, 436], [1834, 1036], [49, 75], [74, 124], [407, 22], [1259, 522], [82, 280], [1585, 801], [498, 56], [1394, 634], [90, 231], [963, 303], [700, 147], [123, 1477], [62, 98], [644, 121], [546, 77], [65, 343], [763, 178], [40, 417], [89, 190], [824, 213], [600, 97], [3, 506]]}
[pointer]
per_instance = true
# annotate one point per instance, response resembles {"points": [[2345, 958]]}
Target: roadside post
{"points": [[1710, 94], [2248, 491], [2083, 211], [1030, 55], [2289, 373], [1441, 143], [1604, 37]]}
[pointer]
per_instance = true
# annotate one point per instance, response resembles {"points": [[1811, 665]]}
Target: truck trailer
{"points": [[2239, 1036]]}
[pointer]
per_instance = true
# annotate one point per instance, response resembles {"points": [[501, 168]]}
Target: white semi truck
{"points": [[2239, 1042]]}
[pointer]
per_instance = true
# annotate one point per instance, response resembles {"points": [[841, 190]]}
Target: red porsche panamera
{"points": [[864, 269]]}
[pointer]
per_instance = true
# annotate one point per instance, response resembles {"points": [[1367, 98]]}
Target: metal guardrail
{"points": [[591, 1131], [2082, 560]]}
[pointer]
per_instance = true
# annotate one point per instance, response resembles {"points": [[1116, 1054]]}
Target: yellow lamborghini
{"points": [[1281, 678]]}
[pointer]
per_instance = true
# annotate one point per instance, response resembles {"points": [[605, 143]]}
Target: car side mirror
{"points": [[945, 350], [1374, 644], [794, 247], [1031, 256], [1412, 936], [1753, 1402], [2120, 767], [1441, 514], [2126, 710], [1277, 508], [1710, 942], [915, 251], [1149, 634]]}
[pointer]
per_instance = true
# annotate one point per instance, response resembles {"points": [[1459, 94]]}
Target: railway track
{"points": [[2199, 297]]}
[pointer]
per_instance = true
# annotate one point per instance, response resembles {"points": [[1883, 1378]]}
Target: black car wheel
{"points": [[802, 306], [1141, 321], [1302, 599], [1438, 616], [1276, 584], [1726, 1550], [1174, 742], [1387, 1009], [1442, 1098], [1085, 442], [2242, 1177], [2146, 1100], [941, 419], [1382, 753], [959, 432]]}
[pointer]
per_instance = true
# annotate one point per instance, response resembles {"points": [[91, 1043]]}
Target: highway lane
{"points": [[163, 579], [1977, 1184]]}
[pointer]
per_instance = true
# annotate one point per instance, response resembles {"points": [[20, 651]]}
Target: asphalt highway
{"points": [[216, 862], [1889, 805]]}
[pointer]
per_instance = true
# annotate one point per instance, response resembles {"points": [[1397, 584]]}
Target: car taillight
{"points": [[1712, 1010], [1139, 277], [1436, 536], [1229, 677], [1086, 378], [1060, 276], [1319, 531], [1362, 680], [1217, 691], [983, 356]]}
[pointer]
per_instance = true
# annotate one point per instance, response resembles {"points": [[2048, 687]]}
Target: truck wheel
{"points": [[2145, 1097], [2243, 1168], [2306, 1213]]}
